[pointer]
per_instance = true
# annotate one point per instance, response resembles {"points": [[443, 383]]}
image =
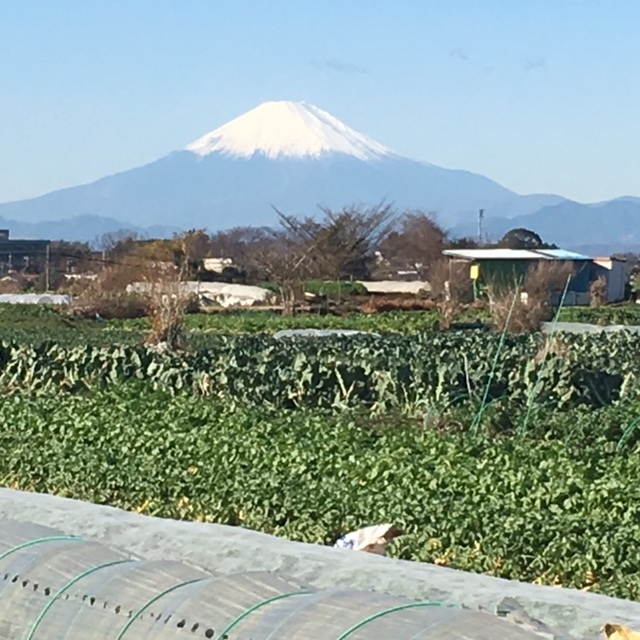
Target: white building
{"points": [[615, 272]]}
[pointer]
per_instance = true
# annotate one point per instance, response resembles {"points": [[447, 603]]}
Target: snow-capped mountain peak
{"points": [[287, 129]]}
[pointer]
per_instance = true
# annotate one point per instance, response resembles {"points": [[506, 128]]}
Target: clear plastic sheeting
{"points": [[14, 534], [121, 593], [582, 327], [223, 601], [353, 615], [34, 298], [320, 333], [59, 587]]}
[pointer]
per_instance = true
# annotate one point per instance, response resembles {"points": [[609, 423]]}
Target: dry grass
{"points": [[167, 304], [514, 310], [548, 277], [380, 304], [451, 289], [552, 345], [12, 284], [162, 298], [291, 295], [524, 309], [598, 292], [106, 295]]}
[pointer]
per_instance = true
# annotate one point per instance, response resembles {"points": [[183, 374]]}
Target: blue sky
{"points": [[540, 95]]}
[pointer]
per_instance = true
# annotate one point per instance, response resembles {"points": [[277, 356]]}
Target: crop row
{"points": [[551, 511], [388, 373], [30, 323]]}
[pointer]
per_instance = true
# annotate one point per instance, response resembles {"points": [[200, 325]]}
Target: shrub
{"points": [[598, 292], [451, 288], [524, 308], [110, 305], [167, 304]]}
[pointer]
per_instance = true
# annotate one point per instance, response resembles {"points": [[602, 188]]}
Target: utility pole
{"points": [[480, 219], [46, 268]]}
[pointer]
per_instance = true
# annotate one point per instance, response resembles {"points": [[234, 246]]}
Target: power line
{"points": [[107, 261]]}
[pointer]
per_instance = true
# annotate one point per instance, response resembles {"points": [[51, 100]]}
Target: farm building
{"points": [[511, 265], [615, 273], [21, 254]]}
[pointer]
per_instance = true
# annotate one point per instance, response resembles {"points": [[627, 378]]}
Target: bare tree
{"points": [[195, 244], [336, 246], [341, 244], [237, 243], [191, 247], [278, 256], [117, 242], [451, 288], [415, 244]]}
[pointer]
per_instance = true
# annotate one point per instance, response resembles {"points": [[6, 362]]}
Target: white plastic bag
{"points": [[370, 539]]}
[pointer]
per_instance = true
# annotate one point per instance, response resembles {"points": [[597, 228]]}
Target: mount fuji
{"points": [[289, 155]]}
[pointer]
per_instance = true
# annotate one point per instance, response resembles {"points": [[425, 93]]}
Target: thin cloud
{"points": [[460, 54], [339, 66], [532, 65]]}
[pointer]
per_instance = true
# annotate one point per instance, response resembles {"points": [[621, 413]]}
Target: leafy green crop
{"points": [[33, 323], [618, 314], [558, 509], [390, 373], [28, 317]]}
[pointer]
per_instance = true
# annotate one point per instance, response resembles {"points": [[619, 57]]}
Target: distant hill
{"points": [[80, 228], [597, 229]]}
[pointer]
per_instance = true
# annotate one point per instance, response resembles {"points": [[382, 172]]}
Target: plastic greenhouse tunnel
{"points": [[60, 587]]}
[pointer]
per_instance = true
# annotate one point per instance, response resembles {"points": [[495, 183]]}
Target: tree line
{"points": [[353, 243]]}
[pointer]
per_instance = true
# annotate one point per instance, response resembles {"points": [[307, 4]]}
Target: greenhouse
{"points": [[57, 586]]}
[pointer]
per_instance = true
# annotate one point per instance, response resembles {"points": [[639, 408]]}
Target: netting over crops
{"points": [[59, 587]]}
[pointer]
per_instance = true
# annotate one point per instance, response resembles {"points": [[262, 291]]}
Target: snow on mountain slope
{"points": [[287, 129]]}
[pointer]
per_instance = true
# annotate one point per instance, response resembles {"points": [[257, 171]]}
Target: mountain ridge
{"points": [[295, 156], [80, 229], [612, 226], [183, 189]]}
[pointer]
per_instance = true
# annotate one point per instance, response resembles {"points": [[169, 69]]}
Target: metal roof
{"points": [[514, 254], [494, 254], [561, 254]]}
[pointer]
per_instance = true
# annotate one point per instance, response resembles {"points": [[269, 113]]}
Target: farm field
{"points": [[406, 322], [513, 455], [31, 318], [559, 506]]}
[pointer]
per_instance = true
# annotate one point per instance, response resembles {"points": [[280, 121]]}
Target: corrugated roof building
{"points": [[511, 265]]}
